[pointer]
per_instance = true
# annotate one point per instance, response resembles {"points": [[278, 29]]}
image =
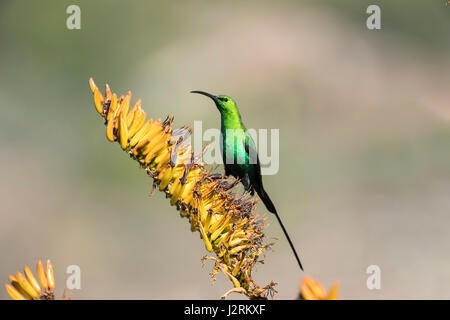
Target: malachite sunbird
{"points": [[239, 154]]}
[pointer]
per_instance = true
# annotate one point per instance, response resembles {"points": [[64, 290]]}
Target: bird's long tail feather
{"points": [[269, 205]]}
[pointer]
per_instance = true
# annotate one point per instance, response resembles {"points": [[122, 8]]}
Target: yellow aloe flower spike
{"points": [[226, 222]]}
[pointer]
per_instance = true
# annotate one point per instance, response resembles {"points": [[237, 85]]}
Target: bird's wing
{"points": [[250, 148]]}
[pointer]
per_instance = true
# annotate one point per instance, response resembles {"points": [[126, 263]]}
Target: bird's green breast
{"points": [[235, 156], [234, 135]]}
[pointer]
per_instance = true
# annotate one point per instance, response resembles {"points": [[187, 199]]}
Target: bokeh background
{"points": [[364, 119]]}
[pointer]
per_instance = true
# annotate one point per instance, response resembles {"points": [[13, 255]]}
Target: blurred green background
{"points": [[364, 125]]}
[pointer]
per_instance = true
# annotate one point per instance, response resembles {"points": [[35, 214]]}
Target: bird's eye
{"points": [[223, 99]]}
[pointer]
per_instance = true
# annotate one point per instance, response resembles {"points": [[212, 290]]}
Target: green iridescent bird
{"points": [[239, 154]]}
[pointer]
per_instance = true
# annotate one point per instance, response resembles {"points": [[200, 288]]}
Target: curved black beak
{"points": [[206, 94]]}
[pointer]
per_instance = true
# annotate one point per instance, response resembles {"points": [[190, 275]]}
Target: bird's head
{"points": [[223, 103]]}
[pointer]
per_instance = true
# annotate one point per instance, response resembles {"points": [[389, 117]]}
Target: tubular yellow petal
{"points": [[235, 281], [217, 232], [123, 133], [318, 290], [26, 285], [32, 280], [126, 104], [138, 122], [130, 117], [238, 249], [202, 213], [315, 288], [152, 153], [118, 109], [156, 131], [141, 134], [237, 235], [92, 85], [216, 221], [176, 195], [177, 187], [234, 290], [333, 294], [236, 241], [49, 274], [166, 178], [223, 238], [237, 267], [207, 221], [17, 286], [154, 141], [141, 145], [161, 174], [112, 107], [13, 293], [307, 294], [11, 278], [162, 159], [98, 101], [110, 130], [208, 244], [107, 93], [173, 188], [186, 196], [41, 275], [132, 113]]}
